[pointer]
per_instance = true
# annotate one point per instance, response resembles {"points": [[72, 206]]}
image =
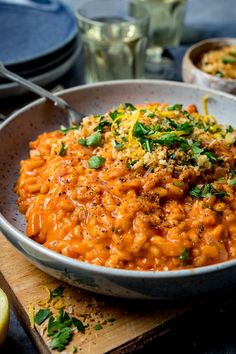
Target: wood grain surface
{"points": [[136, 322]]}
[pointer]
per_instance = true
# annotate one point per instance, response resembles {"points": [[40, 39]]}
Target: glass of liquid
{"points": [[166, 24], [114, 36]]}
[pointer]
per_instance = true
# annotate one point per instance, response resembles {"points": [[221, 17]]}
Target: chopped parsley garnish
{"points": [[74, 350], [206, 191], [93, 140], [41, 316], [151, 115], [230, 129], [170, 139], [232, 182], [67, 130], [61, 339], [115, 115], [230, 60], [101, 125], [219, 73], [78, 324], [131, 164], [118, 146], [96, 161], [111, 320], [141, 130], [203, 151], [97, 327], [130, 106], [58, 292], [185, 256], [62, 150], [146, 144], [55, 324], [175, 107]]}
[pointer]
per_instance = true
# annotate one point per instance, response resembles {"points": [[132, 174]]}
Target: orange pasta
{"points": [[139, 188]]}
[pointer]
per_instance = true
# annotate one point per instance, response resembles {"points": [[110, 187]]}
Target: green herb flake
{"points": [[41, 316], [100, 127], [230, 129], [230, 60], [130, 106], [219, 73], [55, 324], [175, 107], [140, 130], [146, 144], [63, 150], [118, 146], [96, 162], [196, 149], [115, 115], [78, 324], [179, 184], [82, 141], [58, 292], [74, 350], [111, 320], [185, 256], [94, 139], [131, 164], [232, 182], [61, 339], [97, 327], [67, 130], [151, 115], [206, 191], [169, 139]]}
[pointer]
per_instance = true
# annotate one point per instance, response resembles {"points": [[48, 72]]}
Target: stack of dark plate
{"points": [[38, 40]]}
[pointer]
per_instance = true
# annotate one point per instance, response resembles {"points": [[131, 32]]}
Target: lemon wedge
{"points": [[4, 316]]}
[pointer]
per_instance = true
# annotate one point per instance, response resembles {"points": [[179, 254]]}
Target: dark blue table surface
{"points": [[210, 330]]}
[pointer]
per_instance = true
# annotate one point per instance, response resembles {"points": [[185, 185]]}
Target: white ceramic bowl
{"points": [[40, 116], [193, 75]]}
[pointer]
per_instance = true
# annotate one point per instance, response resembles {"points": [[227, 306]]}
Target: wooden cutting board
{"points": [[136, 322]]}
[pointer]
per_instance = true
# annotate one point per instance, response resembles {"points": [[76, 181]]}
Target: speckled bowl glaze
{"points": [[40, 116], [193, 75]]}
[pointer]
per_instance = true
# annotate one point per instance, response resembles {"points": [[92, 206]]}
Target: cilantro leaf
{"points": [[140, 130], [131, 164], [97, 327], [118, 146], [230, 129], [41, 316], [232, 182], [78, 324], [57, 292], [100, 127], [146, 144], [219, 73], [115, 115], [61, 339], [169, 139], [206, 191], [130, 106], [67, 130], [175, 107], [95, 162], [230, 60], [62, 150], [54, 325], [185, 256]]}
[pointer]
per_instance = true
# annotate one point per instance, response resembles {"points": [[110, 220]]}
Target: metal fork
{"points": [[74, 117]]}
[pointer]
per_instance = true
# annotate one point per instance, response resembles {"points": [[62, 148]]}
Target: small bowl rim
{"points": [[16, 236], [187, 56]]}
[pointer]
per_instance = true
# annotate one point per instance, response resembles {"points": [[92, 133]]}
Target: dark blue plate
{"points": [[32, 29]]}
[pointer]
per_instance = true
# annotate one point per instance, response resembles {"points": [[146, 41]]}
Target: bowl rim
{"points": [[187, 56], [16, 235]]}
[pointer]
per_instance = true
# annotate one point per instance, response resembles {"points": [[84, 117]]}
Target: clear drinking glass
{"points": [[114, 35], [166, 23]]}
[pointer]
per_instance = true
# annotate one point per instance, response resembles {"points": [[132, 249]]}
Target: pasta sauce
{"points": [[141, 188]]}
